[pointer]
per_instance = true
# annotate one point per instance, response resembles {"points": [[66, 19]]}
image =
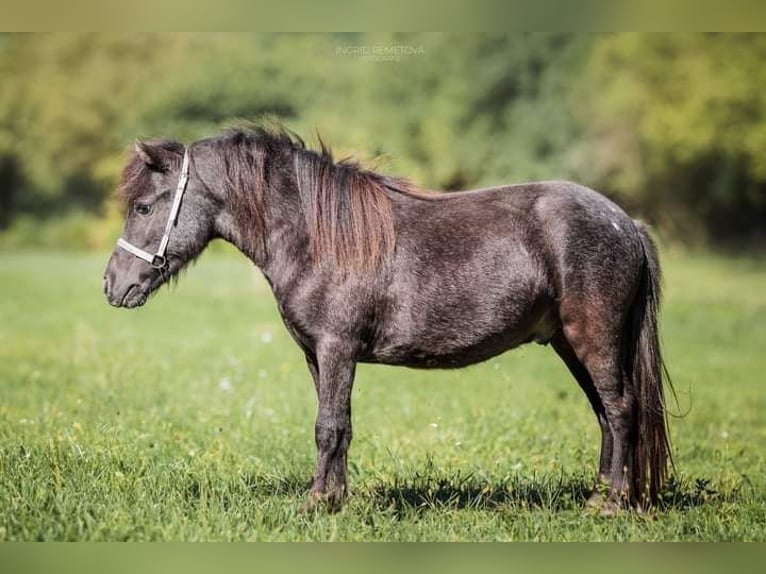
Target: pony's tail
{"points": [[645, 369]]}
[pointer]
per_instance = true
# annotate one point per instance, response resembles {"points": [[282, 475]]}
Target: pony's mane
{"points": [[347, 208]]}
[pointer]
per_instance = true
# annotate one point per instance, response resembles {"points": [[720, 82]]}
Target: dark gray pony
{"points": [[366, 268]]}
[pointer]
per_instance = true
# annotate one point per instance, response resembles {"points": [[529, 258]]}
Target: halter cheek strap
{"points": [[158, 260]]}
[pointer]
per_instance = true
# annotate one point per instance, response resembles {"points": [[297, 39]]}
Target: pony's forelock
{"points": [[136, 178]]}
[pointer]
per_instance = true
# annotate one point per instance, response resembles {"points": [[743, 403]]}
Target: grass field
{"points": [[192, 419]]}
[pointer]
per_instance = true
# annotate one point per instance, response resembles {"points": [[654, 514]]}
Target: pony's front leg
{"points": [[333, 372]]}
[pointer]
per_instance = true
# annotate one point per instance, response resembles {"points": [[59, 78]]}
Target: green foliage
{"points": [[192, 419], [71, 231], [76, 101], [680, 123], [672, 125], [60, 112]]}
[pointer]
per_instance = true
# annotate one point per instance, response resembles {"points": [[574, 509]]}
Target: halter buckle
{"points": [[159, 261]]}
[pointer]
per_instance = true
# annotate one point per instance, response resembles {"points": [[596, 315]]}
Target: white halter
{"points": [[158, 260]]}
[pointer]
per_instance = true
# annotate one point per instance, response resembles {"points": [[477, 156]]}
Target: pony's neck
{"points": [[281, 249], [287, 243], [228, 229]]}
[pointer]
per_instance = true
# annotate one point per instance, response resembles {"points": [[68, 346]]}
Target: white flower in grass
{"points": [[226, 385], [249, 407], [267, 337]]}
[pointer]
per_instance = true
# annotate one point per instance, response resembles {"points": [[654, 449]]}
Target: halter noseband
{"points": [[158, 260]]}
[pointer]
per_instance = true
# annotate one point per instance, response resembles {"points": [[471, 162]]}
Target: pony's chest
{"points": [[298, 326]]}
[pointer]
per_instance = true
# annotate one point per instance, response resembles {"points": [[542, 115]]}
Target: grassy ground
{"points": [[192, 419]]}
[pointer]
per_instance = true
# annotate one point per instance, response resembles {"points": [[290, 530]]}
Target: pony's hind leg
{"points": [[580, 373], [595, 339]]}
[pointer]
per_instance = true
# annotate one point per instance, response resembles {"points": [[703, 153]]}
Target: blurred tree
{"points": [[679, 123], [671, 124], [76, 101], [526, 98], [468, 109], [60, 115]]}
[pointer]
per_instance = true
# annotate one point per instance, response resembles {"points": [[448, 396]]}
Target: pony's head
{"points": [[169, 220]]}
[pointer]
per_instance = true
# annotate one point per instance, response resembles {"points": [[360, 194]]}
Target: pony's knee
{"points": [[332, 436]]}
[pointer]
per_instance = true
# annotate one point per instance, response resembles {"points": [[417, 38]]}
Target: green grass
{"points": [[192, 419]]}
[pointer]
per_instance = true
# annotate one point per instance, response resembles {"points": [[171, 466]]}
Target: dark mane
{"points": [[347, 208]]}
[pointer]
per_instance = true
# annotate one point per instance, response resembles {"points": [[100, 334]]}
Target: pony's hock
{"points": [[367, 268]]}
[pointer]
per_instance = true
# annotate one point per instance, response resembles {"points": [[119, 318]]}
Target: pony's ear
{"points": [[159, 156]]}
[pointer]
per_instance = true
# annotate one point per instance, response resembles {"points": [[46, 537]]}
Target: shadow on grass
{"points": [[551, 493], [458, 492]]}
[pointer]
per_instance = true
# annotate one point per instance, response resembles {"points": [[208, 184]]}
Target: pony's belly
{"points": [[450, 353], [418, 358]]}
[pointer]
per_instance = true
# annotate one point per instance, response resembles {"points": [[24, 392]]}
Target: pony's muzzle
{"points": [[116, 294], [121, 289]]}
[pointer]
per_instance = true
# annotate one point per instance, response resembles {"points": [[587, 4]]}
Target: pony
{"points": [[366, 267]]}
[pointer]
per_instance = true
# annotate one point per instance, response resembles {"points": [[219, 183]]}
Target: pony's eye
{"points": [[142, 208]]}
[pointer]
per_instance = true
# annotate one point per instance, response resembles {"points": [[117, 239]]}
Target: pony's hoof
{"points": [[329, 501], [312, 503], [599, 503], [595, 501], [610, 508]]}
